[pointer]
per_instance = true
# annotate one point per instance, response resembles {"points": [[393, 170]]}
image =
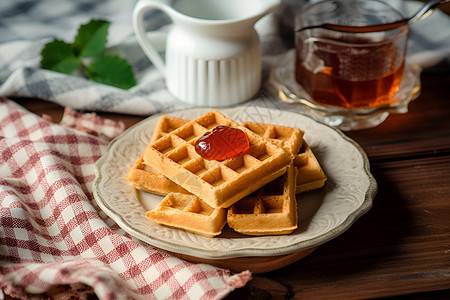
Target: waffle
{"points": [[310, 174], [220, 184], [288, 138], [147, 179], [272, 210], [310, 177], [189, 213], [165, 125]]}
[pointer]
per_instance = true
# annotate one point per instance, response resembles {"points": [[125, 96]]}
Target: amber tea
{"points": [[364, 76], [349, 70]]}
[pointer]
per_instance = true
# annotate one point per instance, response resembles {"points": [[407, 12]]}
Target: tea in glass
{"points": [[347, 69]]}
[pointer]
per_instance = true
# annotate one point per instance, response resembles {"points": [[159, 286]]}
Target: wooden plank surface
{"points": [[424, 130], [401, 247]]}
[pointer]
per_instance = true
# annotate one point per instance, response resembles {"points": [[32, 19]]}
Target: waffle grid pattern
{"points": [[288, 138], [220, 184], [188, 212], [311, 174], [270, 210]]}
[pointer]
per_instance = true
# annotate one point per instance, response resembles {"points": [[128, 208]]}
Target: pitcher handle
{"points": [[138, 25]]}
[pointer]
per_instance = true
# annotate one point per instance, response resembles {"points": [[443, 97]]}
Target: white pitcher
{"points": [[213, 53]]}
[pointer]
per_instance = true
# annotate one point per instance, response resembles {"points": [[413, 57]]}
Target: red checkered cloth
{"points": [[56, 242]]}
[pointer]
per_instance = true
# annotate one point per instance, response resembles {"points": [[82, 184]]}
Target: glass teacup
{"points": [[350, 69]]}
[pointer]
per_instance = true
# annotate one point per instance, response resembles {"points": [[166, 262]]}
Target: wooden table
{"points": [[402, 245]]}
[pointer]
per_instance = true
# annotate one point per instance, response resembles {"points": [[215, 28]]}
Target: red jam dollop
{"points": [[222, 143]]}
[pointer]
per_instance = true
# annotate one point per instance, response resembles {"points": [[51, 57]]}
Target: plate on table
{"points": [[323, 214]]}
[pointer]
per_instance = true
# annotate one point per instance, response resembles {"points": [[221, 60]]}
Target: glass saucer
{"points": [[282, 82]]}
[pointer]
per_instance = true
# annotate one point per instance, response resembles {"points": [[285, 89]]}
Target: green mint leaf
{"points": [[58, 56], [89, 43], [111, 70], [91, 38]]}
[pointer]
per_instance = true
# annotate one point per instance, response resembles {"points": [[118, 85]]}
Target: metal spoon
{"points": [[420, 14]]}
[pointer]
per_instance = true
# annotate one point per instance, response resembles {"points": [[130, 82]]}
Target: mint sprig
{"points": [[88, 53]]}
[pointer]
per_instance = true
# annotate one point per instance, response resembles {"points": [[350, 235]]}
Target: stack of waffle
{"points": [[255, 193]]}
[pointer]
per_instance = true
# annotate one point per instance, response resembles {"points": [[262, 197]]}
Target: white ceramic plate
{"points": [[323, 214]]}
